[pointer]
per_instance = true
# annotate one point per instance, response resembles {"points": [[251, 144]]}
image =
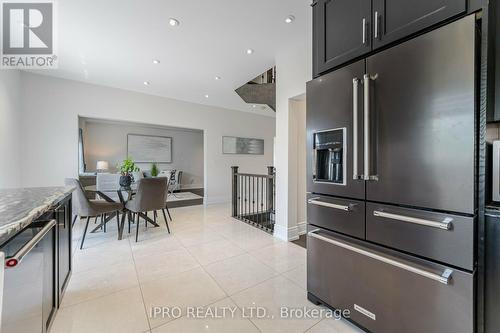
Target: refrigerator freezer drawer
{"points": [[341, 215], [385, 291], [443, 237]]}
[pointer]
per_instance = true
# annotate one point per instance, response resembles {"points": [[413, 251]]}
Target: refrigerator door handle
{"points": [[445, 224], [355, 98], [315, 201], [443, 278], [367, 143]]}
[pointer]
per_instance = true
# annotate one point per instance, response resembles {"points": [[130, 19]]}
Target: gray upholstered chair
{"points": [[150, 196], [166, 199], [107, 183], [90, 208]]}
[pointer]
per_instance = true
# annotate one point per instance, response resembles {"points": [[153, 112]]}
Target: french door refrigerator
{"points": [[391, 183]]}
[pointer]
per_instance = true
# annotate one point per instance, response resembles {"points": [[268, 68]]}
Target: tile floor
{"points": [[210, 263]]}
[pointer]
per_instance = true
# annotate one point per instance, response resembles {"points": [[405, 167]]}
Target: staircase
{"points": [[260, 90]]}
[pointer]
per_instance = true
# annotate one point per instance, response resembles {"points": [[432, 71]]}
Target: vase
{"points": [[125, 181]]}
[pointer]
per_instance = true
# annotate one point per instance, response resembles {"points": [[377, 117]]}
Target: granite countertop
{"points": [[20, 206]]}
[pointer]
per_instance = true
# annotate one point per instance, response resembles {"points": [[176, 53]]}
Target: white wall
{"points": [[10, 173], [298, 140], [294, 68], [107, 140], [50, 110]]}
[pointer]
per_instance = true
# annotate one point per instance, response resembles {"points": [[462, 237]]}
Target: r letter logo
{"points": [[28, 34]]}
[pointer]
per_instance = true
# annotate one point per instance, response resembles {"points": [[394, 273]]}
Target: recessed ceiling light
{"points": [[249, 51], [173, 22], [254, 106], [217, 78], [156, 61], [146, 83], [289, 19], [206, 96]]}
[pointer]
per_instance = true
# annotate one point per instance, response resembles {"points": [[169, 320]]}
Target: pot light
{"points": [[249, 51], [217, 78], [146, 83], [206, 96], [173, 22], [289, 19], [254, 106], [156, 61]]}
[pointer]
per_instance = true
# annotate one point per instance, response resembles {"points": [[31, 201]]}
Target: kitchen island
{"points": [[35, 236]]}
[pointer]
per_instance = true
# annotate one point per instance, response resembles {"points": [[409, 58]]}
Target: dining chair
{"points": [[166, 202], [108, 183], [150, 196], [91, 208]]}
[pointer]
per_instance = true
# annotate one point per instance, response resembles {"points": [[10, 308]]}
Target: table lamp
{"points": [[102, 166]]}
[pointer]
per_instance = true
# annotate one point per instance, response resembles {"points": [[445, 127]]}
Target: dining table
{"points": [[125, 193]]}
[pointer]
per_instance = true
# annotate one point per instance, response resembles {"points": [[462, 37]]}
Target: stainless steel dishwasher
{"points": [[492, 270], [29, 294]]}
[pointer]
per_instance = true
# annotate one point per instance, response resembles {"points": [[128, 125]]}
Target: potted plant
{"points": [[154, 170], [128, 166]]}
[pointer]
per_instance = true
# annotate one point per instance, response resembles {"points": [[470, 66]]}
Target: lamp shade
{"points": [[102, 165]]}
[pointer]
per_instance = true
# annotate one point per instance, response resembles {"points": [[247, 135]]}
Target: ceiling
{"points": [[114, 43]]}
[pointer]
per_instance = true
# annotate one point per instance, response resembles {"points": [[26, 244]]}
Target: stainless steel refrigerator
{"points": [[391, 185]]}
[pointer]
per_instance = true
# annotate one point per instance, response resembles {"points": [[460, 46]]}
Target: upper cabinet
{"points": [[396, 19], [341, 31], [344, 30]]}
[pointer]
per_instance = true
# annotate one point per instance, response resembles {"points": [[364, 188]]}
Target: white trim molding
{"points": [[302, 227], [285, 234]]}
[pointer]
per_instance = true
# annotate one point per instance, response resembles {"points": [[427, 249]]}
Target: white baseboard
{"points": [[302, 227], [285, 234], [210, 200]]}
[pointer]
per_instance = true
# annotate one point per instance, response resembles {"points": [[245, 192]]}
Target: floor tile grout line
{"points": [[98, 297], [140, 287], [310, 328]]}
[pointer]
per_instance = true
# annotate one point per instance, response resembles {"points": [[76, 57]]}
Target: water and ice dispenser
{"points": [[329, 156]]}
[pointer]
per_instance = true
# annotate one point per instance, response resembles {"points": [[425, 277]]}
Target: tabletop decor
{"points": [[128, 166], [154, 170]]}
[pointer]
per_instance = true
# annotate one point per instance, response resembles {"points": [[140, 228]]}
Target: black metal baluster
{"points": [[258, 212], [241, 197], [253, 198]]}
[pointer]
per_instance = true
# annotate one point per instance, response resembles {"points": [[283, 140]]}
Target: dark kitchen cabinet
{"points": [[344, 30], [396, 19], [63, 219], [341, 31], [49, 300]]}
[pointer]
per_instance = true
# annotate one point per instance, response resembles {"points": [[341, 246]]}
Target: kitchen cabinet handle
{"points": [[376, 28], [445, 224], [355, 88], [316, 202], [443, 278], [14, 260], [364, 31]]}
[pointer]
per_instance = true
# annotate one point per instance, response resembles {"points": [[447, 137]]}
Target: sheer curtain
{"points": [[81, 155]]}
